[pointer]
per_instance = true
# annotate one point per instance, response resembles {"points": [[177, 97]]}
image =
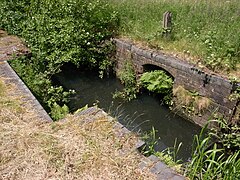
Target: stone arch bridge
{"points": [[187, 75]]}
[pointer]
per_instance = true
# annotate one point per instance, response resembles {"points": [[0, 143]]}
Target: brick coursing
{"points": [[209, 85]]}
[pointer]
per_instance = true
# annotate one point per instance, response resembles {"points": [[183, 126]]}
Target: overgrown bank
{"points": [[52, 46], [58, 32]]}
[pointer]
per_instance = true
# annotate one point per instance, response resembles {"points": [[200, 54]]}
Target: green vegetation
{"points": [[128, 77], [158, 82], [169, 155], [59, 32], [79, 32], [217, 154], [207, 31], [155, 81]]}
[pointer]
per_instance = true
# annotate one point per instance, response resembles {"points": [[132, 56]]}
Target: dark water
{"points": [[139, 115]]}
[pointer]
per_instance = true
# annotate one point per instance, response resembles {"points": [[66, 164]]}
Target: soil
{"points": [[11, 46]]}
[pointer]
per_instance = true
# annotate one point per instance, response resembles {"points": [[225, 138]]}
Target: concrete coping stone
{"points": [[122, 44], [141, 52], [11, 76], [160, 169]]}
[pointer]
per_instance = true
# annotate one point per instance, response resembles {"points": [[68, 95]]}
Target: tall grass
{"points": [[216, 153], [211, 161], [206, 30]]}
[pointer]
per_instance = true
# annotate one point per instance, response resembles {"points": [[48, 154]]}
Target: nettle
{"points": [[59, 32]]}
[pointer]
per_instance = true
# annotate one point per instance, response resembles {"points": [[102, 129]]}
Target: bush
{"points": [[57, 32]]}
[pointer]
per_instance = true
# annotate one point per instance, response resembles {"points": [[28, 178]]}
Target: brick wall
{"points": [[185, 74]]}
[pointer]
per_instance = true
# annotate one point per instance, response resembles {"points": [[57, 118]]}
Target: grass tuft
{"points": [[190, 101]]}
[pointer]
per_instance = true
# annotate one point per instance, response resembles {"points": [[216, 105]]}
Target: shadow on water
{"points": [[139, 115]]}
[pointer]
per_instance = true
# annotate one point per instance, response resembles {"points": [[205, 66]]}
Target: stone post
{"points": [[167, 24]]}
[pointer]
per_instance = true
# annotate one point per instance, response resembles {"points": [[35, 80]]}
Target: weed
{"points": [[128, 77], [159, 82], [210, 160], [190, 102], [168, 156]]}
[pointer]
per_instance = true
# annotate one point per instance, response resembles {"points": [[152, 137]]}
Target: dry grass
{"points": [[190, 101], [2, 33], [84, 147]]}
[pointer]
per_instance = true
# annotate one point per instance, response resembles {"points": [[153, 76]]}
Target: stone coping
{"points": [[175, 62], [153, 163], [10, 76]]}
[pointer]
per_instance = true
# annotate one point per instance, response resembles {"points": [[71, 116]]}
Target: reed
{"points": [[211, 161]]}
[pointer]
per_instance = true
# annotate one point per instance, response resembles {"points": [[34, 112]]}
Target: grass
{"points": [[84, 147], [191, 102], [204, 32], [212, 162]]}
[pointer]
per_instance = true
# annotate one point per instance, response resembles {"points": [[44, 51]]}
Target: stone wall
{"points": [[214, 87]]}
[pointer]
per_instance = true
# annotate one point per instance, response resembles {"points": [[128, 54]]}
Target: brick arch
{"points": [[185, 74], [141, 62], [152, 67]]}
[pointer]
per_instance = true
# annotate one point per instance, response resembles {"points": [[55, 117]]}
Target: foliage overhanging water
{"points": [[140, 114]]}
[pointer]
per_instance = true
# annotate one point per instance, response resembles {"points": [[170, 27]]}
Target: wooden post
{"points": [[167, 24]]}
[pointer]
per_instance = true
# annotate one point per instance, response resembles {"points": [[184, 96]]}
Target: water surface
{"points": [[139, 115]]}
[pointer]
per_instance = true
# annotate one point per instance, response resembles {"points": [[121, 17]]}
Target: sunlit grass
{"points": [[210, 160], [205, 30], [81, 147]]}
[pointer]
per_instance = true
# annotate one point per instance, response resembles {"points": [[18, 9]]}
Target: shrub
{"points": [[58, 32]]}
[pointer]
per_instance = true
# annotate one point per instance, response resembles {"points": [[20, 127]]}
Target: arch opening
{"points": [[151, 67]]}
